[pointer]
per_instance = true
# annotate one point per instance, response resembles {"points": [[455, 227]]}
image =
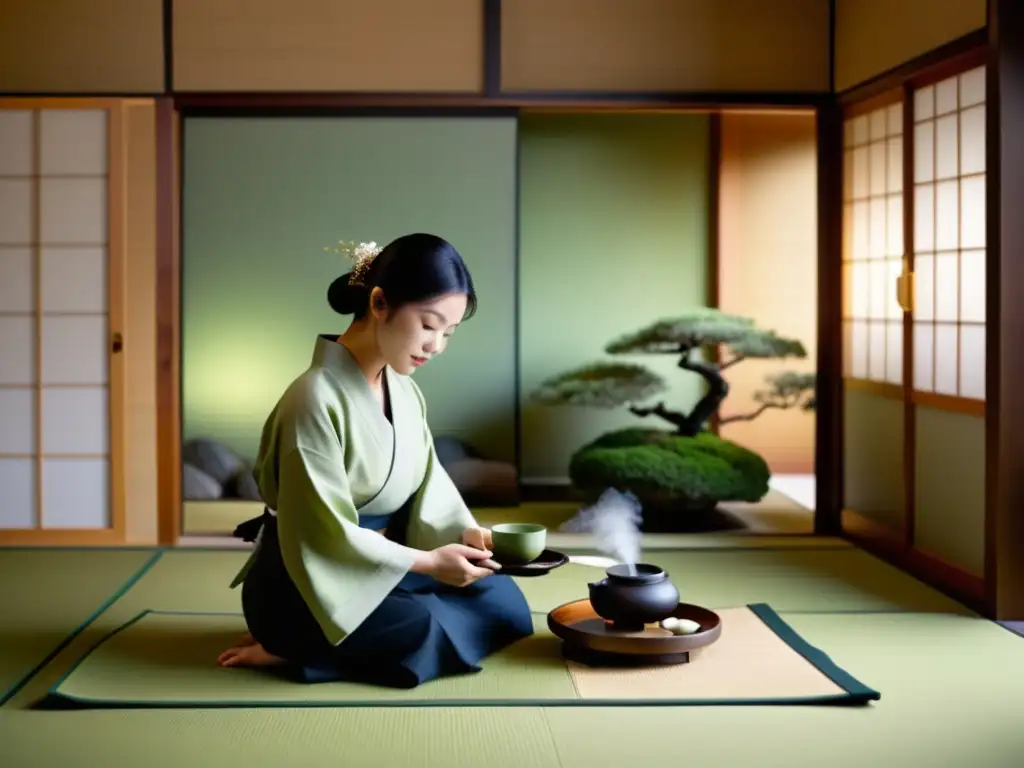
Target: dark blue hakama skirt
{"points": [[421, 631]]}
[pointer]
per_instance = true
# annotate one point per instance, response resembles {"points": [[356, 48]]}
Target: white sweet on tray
{"points": [[680, 626]]}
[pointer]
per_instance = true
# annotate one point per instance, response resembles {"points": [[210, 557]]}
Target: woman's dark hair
{"points": [[413, 268]]}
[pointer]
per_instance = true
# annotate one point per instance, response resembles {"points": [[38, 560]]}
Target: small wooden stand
{"points": [[588, 639]]}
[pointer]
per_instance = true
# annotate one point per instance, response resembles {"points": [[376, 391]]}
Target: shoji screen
{"points": [[60, 251], [949, 236]]}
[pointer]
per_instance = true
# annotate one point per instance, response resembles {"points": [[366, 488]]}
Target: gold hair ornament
{"points": [[362, 256]]}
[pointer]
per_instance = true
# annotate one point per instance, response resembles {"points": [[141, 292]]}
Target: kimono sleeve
{"points": [[342, 571], [439, 515]]}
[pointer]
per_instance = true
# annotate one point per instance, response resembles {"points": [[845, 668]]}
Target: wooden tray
{"points": [[545, 562], [589, 639]]}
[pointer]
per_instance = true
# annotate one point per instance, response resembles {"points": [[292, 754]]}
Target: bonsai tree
{"points": [[613, 385], [685, 467]]}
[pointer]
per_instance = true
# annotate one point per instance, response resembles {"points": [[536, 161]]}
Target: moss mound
{"points": [[670, 473]]}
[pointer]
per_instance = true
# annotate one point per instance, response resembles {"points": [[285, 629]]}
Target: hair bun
{"points": [[345, 299]]}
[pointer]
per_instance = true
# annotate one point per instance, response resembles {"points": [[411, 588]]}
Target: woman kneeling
{"points": [[371, 567]]}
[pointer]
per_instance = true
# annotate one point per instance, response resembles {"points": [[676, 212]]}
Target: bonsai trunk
{"points": [[689, 425], [718, 389], [676, 419]]}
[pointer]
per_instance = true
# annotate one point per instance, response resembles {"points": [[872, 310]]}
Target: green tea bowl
{"points": [[518, 543]]}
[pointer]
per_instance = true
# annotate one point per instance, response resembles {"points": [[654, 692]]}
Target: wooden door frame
{"points": [[168, 321], [170, 115], [116, 272], [999, 593], [828, 453], [1004, 522], [901, 547]]}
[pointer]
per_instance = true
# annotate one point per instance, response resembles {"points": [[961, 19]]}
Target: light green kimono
{"points": [[328, 455]]}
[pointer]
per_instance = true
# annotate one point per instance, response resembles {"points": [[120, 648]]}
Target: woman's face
{"points": [[418, 332]]}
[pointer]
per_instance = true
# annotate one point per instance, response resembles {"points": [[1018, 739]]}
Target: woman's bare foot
{"points": [[249, 655]]}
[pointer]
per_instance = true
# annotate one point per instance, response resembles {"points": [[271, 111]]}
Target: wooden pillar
{"points": [[1004, 534], [168, 325], [828, 461]]}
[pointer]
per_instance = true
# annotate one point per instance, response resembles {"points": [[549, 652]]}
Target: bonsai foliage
{"points": [[672, 471], [785, 390], [606, 385], [612, 385]]}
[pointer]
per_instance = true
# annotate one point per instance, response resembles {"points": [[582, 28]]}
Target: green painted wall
{"points": [[613, 235], [263, 197]]}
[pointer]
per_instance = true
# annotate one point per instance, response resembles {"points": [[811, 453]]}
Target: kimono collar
{"points": [[328, 353], [337, 358]]}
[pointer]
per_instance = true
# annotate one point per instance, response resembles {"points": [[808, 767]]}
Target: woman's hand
{"points": [[457, 564], [478, 538]]}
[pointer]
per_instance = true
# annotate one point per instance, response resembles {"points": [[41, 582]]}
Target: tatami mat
{"points": [[942, 706], [162, 660], [274, 738], [951, 697], [46, 595], [826, 579]]}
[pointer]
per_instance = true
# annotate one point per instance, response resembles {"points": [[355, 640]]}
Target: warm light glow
{"points": [[949, 239], [768, 272], [231, 388], [873, 222], [949, 236]]}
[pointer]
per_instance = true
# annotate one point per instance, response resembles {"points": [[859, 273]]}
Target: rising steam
{"points": [[614, 523]]}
